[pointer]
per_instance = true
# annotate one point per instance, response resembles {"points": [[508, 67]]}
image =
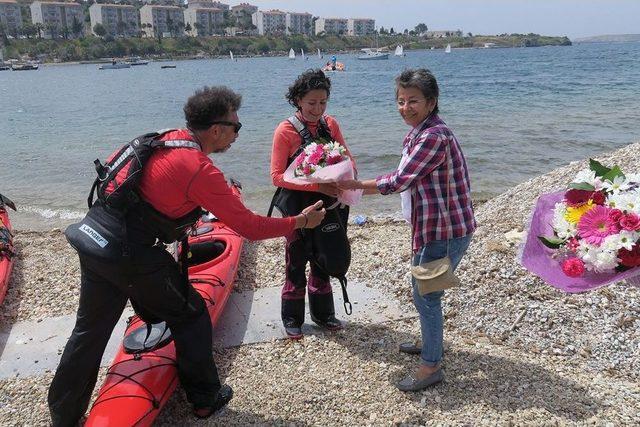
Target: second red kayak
{"points": [[137, 386], [6, 247]]}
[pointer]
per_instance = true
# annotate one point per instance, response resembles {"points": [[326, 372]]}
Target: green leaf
{"points": [[598, 168], [582, 186], [551, 242], [613, 173]]}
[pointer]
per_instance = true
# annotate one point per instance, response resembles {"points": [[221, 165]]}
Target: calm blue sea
{"points": [[517, 112]]}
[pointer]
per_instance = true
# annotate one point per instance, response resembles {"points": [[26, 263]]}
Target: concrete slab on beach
{"points": [[34, 347]]}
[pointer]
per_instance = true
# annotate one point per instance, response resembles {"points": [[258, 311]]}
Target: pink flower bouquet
{"points": [[322, 162], [589, 234]]}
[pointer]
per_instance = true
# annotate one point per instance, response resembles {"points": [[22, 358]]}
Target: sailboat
{"points": [[302, 54], [292, 54], [448, 49], [319, 54], [399, 50], [370, 53], [231, 55]]}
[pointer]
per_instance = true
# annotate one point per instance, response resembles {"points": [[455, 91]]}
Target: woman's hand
{"points": [[311, 216], [349, 184], [330, 189]]}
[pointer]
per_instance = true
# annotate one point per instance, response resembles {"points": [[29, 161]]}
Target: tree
{"points": [[421, 28], [469, 35], [391, 31], [29, 30], [99, 30], [188, 28], [53, 30], [76, 27], [39, 29]]}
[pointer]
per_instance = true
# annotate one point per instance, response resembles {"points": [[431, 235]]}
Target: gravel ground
{"points": [[517, 351]]}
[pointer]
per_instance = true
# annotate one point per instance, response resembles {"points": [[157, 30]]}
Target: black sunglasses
{"points": [[236, 125]]}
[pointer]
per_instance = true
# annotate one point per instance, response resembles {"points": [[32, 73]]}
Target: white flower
{"points": [[628, 201], [624, 239], [618, 184], [585, 175], [563, 228], [633, 178], [598, 259]]}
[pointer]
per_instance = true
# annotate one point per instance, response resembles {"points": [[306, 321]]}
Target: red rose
{"points": [[598, 198], [615, 215], [630, 222], [575, 198], [630, 258], [573, 267]]}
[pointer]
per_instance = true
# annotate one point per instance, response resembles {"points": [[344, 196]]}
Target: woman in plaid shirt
{"points": [[433, 174]]}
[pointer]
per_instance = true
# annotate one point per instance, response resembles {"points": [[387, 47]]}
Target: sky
{"points": [[572, 18]]}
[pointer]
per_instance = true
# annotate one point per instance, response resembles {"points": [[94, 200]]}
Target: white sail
{"points": [[448, 49], [292, 54], [319, 54], [302, 54], [231, 55], [399, 50]]}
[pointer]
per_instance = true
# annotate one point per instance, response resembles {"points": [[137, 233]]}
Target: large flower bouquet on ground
{"points": [[588, 235], [323, 161]]}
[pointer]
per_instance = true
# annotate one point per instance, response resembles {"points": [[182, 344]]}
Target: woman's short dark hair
{"points": [[305, 83], [422, 79], [208, 104]]}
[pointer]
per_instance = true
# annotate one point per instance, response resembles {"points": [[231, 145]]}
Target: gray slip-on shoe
{"points": [[410, 383], [410, 348]]}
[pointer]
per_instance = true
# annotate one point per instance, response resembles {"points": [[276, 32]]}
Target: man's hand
{"points": [[311, 216], [330, 189]]}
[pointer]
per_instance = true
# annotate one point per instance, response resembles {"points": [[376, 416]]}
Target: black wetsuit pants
{"points": [[158, 291]]}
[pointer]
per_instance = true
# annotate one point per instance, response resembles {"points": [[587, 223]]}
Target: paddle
{"points": [[6, 201]]}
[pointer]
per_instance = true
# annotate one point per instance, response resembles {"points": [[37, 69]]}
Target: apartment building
{"points": [[162, 21], [164, 2], [204, 21], [238, 10], [332, 26], [270, 22], [56, 17], [10, 16], [299, 23], [208, 4], [361, 26], [117, 19]]}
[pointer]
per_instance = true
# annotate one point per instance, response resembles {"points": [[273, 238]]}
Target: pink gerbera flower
{"points": [[595, 225]]}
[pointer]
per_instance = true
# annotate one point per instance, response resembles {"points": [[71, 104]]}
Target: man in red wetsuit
{"points": [[174, 182]]}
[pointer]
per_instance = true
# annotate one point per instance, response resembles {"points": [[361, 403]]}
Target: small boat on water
{"points": [[143, 375], [137, 61], [24, 66], [231, 56], [447, 49], [292, 54], [319, 54], [167, 66], [4, 67], [115, 65], [399, 51], [7, 253], [372, 54]]}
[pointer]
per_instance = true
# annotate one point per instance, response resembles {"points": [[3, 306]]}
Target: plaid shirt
{"points": [[424, 172]]}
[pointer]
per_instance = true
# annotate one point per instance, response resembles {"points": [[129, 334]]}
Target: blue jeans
{"points": [[429, 306]]}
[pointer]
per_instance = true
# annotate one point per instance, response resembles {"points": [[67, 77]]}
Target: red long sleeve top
{"points": [[177, 180]]}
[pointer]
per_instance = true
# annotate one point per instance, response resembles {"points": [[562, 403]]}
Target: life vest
{"points": [[119, 217], [327, 244]]}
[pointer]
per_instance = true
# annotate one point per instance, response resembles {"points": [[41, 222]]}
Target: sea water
{"points": [[517, 112]]}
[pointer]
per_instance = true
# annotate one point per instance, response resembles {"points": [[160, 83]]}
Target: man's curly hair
{"points": [[305, 83], [208, 104]]}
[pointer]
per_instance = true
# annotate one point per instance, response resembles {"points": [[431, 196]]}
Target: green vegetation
{"points": [[93, 48]]}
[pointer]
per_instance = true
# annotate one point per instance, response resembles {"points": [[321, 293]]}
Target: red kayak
{"points": [[137, 386], [6, 246]]}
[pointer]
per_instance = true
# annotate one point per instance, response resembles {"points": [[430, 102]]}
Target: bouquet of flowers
{"points": [[323, 161], [590, 233]]}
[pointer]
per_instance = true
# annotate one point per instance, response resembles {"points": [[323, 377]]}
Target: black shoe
{"points": [[293, 317], [330, 323], [225, 394], [410, 348]]}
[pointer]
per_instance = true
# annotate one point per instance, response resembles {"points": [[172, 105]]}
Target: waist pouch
{"points": [[99, 235]]}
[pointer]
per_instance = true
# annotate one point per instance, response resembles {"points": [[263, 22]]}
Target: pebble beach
{"points": [[517, 351]]}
